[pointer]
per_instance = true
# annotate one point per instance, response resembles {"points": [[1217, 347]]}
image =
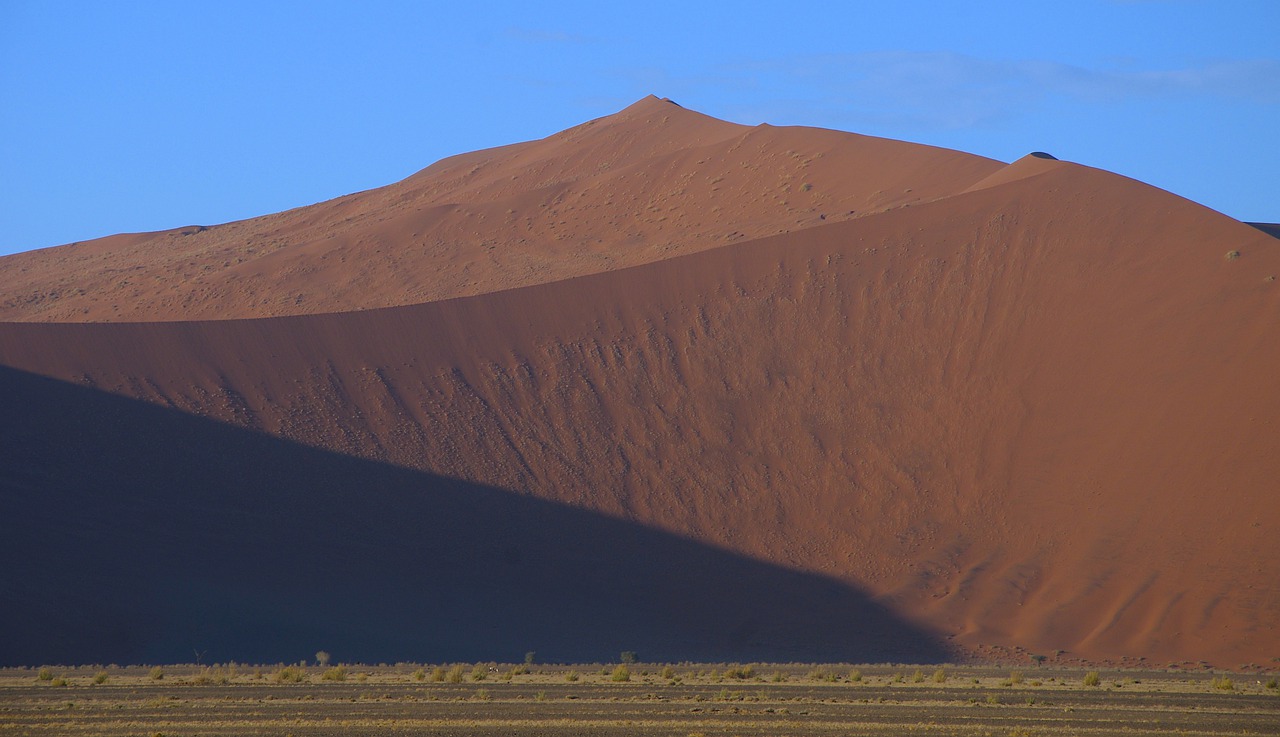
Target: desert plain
{"points": [[654, 699]]}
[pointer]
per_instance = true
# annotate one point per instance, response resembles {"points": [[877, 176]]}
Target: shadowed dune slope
{"points": [[650, 182], [136, 534], [1271, 229], [1039, 414]]}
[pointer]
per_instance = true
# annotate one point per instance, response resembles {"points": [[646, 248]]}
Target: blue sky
{"points": [[133, 116]]}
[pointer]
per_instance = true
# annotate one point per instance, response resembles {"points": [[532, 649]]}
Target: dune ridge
{"points": [[1029, 412], [650, 182]]}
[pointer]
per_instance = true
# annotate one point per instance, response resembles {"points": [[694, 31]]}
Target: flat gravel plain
{"points": [[680, 700]]}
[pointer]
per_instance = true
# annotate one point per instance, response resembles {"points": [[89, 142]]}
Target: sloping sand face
{"points": [[1033, 409]]}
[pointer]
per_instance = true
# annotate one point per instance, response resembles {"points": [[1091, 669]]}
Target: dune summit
{"points": [[871, 400]]}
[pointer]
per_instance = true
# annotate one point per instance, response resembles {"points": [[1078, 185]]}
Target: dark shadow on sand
{"points": [[1271, 229], [130, 533]]}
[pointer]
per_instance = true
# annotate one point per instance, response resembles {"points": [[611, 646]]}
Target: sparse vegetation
{"points": [[918, 676], [572, 676], [740, 672], [44, 675], [621, 674], [1092, 678], [628, 657], [101, 677], [1187, 703], [456, 674], [290, 674], [338, 673], [157, 673], [322, 658]]}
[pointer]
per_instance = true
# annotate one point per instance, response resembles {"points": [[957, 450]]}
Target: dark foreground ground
{"points": [[682, 700]]}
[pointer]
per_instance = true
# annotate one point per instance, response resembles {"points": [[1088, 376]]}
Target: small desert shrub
{"points": [[101, 678], [483, 694], [212, 675], [740, 672], [621, 673], [779, 676], [157, 673], [44, 675], [898, 678], [1222, 683], [940, 676], [290, 674], [479, 672], [339, 673], [540, 696], [438, 674], [520, 670], [1273, 684], [456, 674], [59, 682], [1013, 679], [668, 672], [1092, 678], [917, 677], [1232, 255], [572, 676]]}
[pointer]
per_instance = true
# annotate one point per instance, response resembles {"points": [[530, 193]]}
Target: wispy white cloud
{"points": [[545, 36], [950, 90]]}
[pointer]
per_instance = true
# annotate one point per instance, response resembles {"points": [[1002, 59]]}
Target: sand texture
{"points": [[988, 409]]}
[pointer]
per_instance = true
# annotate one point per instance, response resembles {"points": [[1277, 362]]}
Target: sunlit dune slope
{"points": [[650, 182], [1036, 409]]}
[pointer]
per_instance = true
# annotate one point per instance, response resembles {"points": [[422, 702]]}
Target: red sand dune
{"points": [[1026, 408], [651, 182]]}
